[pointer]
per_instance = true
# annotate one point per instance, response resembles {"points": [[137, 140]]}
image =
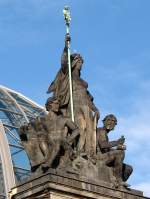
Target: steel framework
{"points": [[15, 110]]}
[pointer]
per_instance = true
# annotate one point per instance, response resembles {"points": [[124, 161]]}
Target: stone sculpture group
{"points": [[78, 148]]}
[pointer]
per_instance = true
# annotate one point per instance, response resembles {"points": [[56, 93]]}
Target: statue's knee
{"points": [[127, 171]]}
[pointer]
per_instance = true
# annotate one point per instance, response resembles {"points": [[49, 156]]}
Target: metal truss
{"points": [[15, 110]]}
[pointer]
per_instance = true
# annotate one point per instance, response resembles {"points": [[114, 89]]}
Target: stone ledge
{"points": [[59, 182]]}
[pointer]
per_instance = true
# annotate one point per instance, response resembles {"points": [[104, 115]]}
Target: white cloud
{"points": [[136, 128], [145, 187]]}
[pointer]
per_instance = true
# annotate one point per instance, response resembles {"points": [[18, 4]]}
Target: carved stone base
{"points": [[57, 185]]}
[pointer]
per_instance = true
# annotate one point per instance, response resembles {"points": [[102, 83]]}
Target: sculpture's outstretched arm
{"points": [[111, 144], [64, 66], [120, 141], [108, 145], [64, 57]]}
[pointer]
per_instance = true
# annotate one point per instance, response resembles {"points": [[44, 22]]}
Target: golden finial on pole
{"points": [[66, 12]]}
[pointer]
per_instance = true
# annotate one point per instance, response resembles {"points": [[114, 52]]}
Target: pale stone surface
{"points": [[55, 195], [62, 196], [57, 185]]}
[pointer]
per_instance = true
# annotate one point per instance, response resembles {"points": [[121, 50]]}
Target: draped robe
{"points": [[83, 102]]}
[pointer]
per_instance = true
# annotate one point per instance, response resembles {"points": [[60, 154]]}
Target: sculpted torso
{"points": [[56, 127]]}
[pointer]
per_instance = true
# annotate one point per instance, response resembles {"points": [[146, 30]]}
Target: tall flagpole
{"points": [[67, 17]]}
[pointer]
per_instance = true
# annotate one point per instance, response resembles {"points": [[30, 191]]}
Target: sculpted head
{"points": [[76, 61], [52, 104], [110, 121]]}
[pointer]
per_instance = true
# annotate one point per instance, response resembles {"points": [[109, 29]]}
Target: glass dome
{"points": [[15, 110]]}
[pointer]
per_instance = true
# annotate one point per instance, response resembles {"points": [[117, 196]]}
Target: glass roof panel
{"points": [[16, 110]]}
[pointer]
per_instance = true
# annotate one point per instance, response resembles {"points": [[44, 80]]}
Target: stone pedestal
{"points": [[57, 185]]}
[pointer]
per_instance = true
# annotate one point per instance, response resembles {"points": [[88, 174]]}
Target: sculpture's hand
{"points": [[121, 140], [121, 147], [67, 39]]}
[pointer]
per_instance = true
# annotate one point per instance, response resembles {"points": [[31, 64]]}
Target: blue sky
{"points": [[113, 38]]}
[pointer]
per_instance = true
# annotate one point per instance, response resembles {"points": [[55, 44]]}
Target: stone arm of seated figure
{"points": [[108, 145], [103, 141]]}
